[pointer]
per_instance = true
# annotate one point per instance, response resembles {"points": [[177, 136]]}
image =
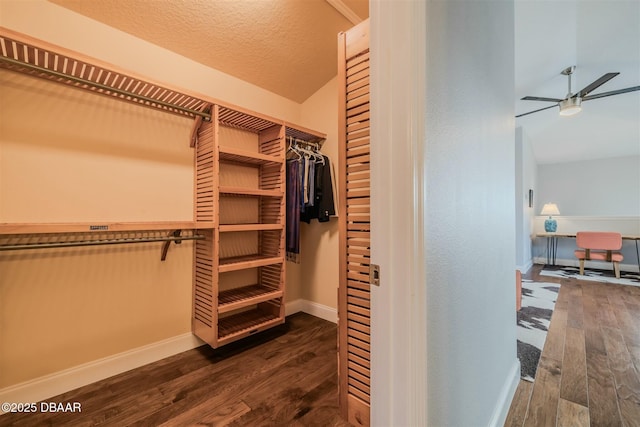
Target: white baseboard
{"points": [[501, 410], [588, 264], [313, 308], [524, 268], [51, 385], [293, 307]]}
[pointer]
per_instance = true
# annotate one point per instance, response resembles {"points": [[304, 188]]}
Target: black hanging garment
{"points": [[323, 206]]}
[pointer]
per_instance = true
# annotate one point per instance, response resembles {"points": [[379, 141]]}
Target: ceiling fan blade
{"points": [[540, 98], [596, 84], [613, 92], [534, 111]]}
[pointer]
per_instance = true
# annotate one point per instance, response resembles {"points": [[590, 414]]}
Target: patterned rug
{"points": [[626, 278], [538, 301]]}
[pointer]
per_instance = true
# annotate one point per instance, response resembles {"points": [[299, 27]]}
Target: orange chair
{"points": [[600, 246]]}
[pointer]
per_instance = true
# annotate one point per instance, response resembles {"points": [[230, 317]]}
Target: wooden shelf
{"points": [[231, 154], [249, 227], [202, 225], [92, 227], [251, 192], [242, 325], [40, 59], [305, 134], [234, 299], [244, 262]]}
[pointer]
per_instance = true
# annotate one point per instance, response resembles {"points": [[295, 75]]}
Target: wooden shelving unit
{"points": [[240, 274]]}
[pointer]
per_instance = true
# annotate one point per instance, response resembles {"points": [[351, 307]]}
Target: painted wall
{"points": [[74, 156], [603, 187], [319, 241], [443, 212], [470, 302], [60, 26], [599, 195], [79, 305], [525, 169]]}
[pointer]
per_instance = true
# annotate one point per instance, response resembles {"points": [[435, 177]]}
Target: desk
{"points": [[552, 245]]}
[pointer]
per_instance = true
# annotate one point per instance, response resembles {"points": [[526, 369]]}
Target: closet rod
{"points": [[48, 245], [125, 93], [302, 141]]}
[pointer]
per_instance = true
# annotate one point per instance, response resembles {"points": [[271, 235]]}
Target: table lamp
{"points": [[550, 224]]}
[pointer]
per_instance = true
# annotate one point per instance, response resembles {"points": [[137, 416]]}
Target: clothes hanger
{"points": [[293, 149]]}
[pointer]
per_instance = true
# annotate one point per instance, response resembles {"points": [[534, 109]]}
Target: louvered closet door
{"points": [[355, 248]]}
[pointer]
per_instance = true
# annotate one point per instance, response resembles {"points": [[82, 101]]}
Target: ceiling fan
{"points": [[572, 103]]}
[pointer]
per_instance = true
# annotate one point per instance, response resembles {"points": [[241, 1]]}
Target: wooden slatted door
{"points": [[355, 249]]}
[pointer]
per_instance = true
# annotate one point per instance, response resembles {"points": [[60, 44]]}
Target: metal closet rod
{"points": [[104, 87], [48, 245], [294, 140]]}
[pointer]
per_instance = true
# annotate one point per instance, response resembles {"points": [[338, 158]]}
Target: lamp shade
{"points": [[550, 224], [550, 209]]}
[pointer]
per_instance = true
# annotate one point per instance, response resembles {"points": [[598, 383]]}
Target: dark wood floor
{"points": [[286, 376], [589, 369]]}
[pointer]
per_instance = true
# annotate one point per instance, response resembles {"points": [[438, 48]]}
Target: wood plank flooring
{"points": [[285, 376], [589, 371]]}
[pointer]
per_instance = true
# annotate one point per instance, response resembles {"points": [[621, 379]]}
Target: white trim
{"points": [[398, 52], [571, 224], [63, 381], [293, 307], [345, 11], [524, 268], [501, 410], [322, 311], [313, 308]]}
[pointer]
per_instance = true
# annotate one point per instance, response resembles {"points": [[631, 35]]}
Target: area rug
{"points": [[538, 301], [626, 278]]}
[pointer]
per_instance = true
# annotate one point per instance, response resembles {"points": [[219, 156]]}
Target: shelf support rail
{"points": [[174, 236]]}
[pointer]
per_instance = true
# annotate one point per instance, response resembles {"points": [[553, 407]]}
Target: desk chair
{"points": [[600, 246]]}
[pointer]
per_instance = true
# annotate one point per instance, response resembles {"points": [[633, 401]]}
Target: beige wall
{"points": [[72, 156], [81, 304], [57, 25], [319, 241]]}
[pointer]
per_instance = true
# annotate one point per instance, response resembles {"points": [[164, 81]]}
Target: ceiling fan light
{"points": [[570, 106]]}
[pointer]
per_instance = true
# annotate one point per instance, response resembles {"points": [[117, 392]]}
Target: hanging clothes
{"points": [[293, 209], [323, 204], [309, 191]]}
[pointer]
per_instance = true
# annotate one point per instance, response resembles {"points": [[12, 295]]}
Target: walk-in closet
{"points": [[158, 215]]}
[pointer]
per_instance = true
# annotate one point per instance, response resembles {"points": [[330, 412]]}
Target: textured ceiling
{"points": [[288, 47]]}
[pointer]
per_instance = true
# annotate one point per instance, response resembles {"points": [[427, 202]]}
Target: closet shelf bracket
{"points": [[198, 122], [175, 237]]}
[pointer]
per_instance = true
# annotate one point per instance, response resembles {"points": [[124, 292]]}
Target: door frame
{"points": [[398, 46]]}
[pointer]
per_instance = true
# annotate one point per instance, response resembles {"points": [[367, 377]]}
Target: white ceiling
{"points": [[598, 37]]}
